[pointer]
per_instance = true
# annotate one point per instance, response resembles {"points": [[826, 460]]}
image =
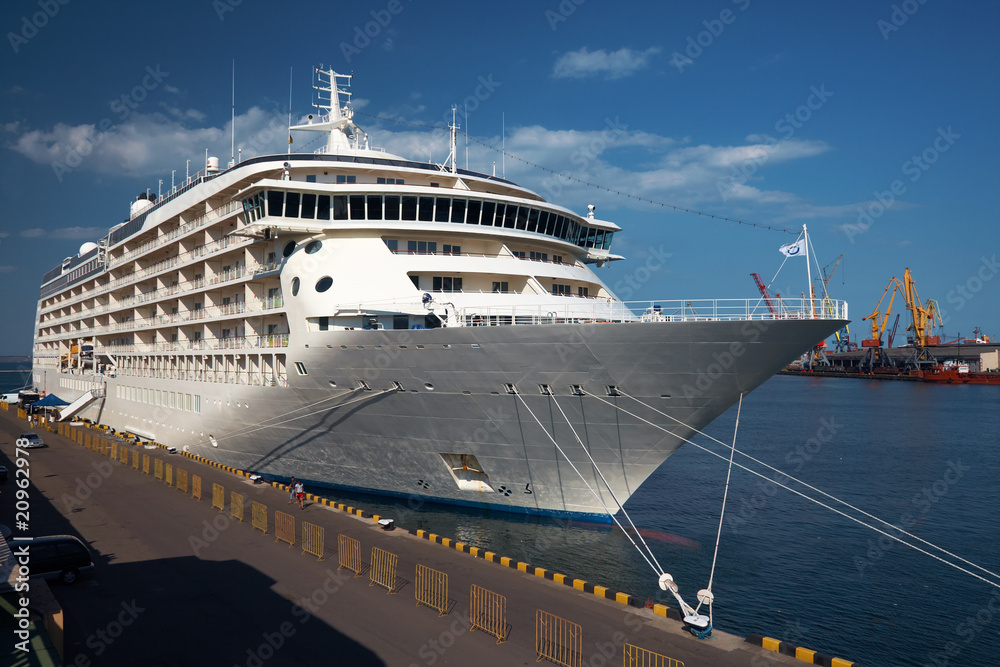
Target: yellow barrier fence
{"points": [[488, 612], [168, 475], [182, 480], [145, 464], [86, 440], [258, 513], [313, 539], [135, 460], [123, 455], [284, 528], [640, 657], [431, 589], [114, 450], [236, 506], [218, 497], [383, 570], [158, 469], [196, 487], [349, 555], [558, 640]]}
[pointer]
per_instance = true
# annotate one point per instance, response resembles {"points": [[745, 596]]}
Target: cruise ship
{"points": [[362, 321]]}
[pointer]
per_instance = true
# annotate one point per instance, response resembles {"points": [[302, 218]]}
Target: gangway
{"points": [[80, 404]]}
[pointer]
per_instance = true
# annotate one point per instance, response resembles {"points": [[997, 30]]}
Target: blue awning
{"points": [[50, 401]]}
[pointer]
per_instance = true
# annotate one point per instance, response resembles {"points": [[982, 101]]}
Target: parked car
{"points": [[58, 556], [30, 441]]}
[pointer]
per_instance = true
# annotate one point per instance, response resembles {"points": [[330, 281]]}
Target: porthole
{"points": [[313, 247], [289, 247], [295, 286], [324, 283], [428, 386]]}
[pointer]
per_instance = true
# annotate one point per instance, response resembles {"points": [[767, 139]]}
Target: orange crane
{"points": [[923, 316], [878, 320]]}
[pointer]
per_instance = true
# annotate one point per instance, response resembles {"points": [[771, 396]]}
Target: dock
{"points": [[237, 577]]}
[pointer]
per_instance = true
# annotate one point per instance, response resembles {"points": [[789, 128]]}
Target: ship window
{"points": [[340, 207], [522, 217], [275, 202], [443, 209], [426, 209], [324, 324], [582, 291], [558, 229], [308, 205], [607, 240], [400, 321], [391, 207], [472, 216], [357, 207], [323, 208], [488, 209], [374, 207], [313, 247], [416, 281], [392, 245], [500, 286], [545, 390], [452, 249], [510, 216], [591, 236], [498, 218], [409, 208], [532, 220], [458, 210], [300, 368], [292, 204], [546, 222], [310, 178], [295, 286], [324, 283], [289, 248], [446, 284]]}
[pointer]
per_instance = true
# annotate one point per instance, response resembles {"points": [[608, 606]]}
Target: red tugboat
{"points": [[951, 372]]}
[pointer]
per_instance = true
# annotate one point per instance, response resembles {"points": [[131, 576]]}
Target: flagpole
{"points": [[805, 236]]}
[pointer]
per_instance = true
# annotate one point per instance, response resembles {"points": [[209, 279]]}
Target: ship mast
{"points": [[335, 117]]}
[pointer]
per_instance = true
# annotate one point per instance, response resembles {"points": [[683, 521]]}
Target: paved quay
{"points": [[177, 582]]}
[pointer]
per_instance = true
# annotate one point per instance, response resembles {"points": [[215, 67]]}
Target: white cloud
{"points": [[33, 233], [147, 144], [8, 269], [4, 235], [615, 65]]}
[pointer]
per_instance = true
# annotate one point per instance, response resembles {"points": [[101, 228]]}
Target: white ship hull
{"points": [[454, 401]]}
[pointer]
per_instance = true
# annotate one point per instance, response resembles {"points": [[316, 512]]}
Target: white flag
{"points": [[794, 249]]}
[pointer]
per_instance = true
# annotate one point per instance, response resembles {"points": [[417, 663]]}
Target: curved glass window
{"points": [[488, 210], [472, 218], [314, 247], [289, 248], [295, 286], [392, 207], [324, 283], [426, 209], [409, 208], [458, 210], [443, 211], [357, 207], [323, 207], [374, 207], [340, 207]]}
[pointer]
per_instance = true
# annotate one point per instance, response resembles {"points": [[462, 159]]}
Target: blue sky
{"points": [[875, 123]]}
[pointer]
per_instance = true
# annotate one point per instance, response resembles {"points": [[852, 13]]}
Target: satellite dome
{"points": [[87, 247]]}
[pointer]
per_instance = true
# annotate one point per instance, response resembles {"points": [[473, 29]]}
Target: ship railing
{"points": [[265, 341], [190, 226], [130, 301], [674, 310]]}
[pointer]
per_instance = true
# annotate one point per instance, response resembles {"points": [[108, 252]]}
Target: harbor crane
{"points": [[879, 321]]}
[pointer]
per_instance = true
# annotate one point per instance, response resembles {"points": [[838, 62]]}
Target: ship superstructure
{"points": [[363, 321]]}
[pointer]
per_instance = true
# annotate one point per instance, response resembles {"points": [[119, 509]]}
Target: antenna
{"points": [[466, 137], [289, 111], [232, 153], [503, 145]]}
